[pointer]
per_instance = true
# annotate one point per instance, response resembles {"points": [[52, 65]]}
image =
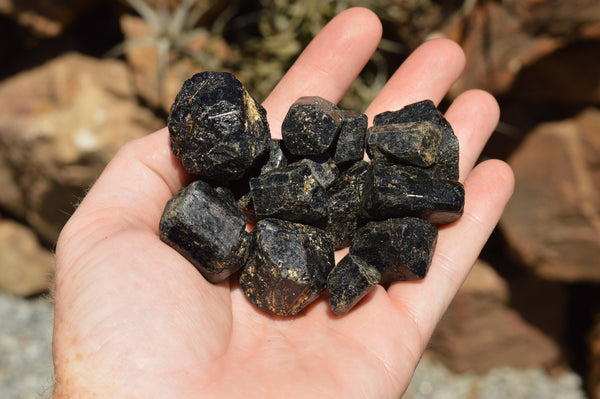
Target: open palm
{"points": [[134, 319]]}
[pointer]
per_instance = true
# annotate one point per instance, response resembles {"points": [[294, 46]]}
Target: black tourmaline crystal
{"points": [[350, 145], [392, 190], [344, 204], [311, 126], [349, 281], [401, 249], [216, 129], [410, 143], [204, 225], [277, 158], [447, 163], [288, 266], [291, 193]]}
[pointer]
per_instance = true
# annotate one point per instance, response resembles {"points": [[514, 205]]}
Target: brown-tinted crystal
{"points": [[288, 266]]}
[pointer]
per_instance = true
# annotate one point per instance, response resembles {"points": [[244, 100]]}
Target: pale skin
{"points": [[134, 319]]}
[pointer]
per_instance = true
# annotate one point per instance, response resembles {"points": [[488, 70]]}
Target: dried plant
{"points": [[170, 31]]}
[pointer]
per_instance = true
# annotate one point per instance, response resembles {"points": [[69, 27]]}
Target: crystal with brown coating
{"points": [[288, 266]]}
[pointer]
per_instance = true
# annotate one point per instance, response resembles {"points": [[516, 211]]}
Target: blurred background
{"points": [[78, 78]]}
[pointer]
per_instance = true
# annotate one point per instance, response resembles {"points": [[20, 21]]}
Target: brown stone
{"points": [[25, 266], [45, 18], [480, 332], [552, 222], [59, 126], [593, 377], [501, 38]]}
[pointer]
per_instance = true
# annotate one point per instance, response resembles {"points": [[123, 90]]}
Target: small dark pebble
{"points": [[277, 158], [216, 129], [205, 226], [291, 193], [288, 267], [349, 281], [311, 126], [324, 170], [350, 145], [345, 203], [447, 163], [401, 249], [411, 143], [393, 191]]}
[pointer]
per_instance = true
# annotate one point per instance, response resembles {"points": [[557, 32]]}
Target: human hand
{"points": [[134, 319]]}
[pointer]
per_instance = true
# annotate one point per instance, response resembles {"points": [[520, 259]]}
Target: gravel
{"points": [[25, 348], [26, 365], [433, 381]]}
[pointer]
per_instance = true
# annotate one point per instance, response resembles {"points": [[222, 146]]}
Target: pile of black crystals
{"points": [[308, 194]]}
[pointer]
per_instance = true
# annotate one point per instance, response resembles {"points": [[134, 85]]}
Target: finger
{"points": [[427, 73], [487, 190], [473, 116], [328, 65]]}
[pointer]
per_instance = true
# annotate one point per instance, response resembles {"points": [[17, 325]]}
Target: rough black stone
{"points": [[349, 281], [291, 193], [216, 129], [400, 248], [392, 190], [447, 163], [344, 204], [205, 226], [288, 266], [411, 143], [350, 145], [276, 159], [311, 126], [324, 170]]}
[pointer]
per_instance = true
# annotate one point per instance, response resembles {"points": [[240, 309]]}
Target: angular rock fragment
{"points": [[394, 191], [323, 169], [291, 193], [216, 129], [411, 143], [400, 248], [311, 126], [446, 166], [344, 204], [288, 266], [276, 158], [204, 226], [350, 145], [349, 281]]}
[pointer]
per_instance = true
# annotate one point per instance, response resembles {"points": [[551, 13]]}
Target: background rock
{"points": [[158, 75], [552, 222], [480, 331], [42, 17], [501, 38], [59, 125], [25, 266]]}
